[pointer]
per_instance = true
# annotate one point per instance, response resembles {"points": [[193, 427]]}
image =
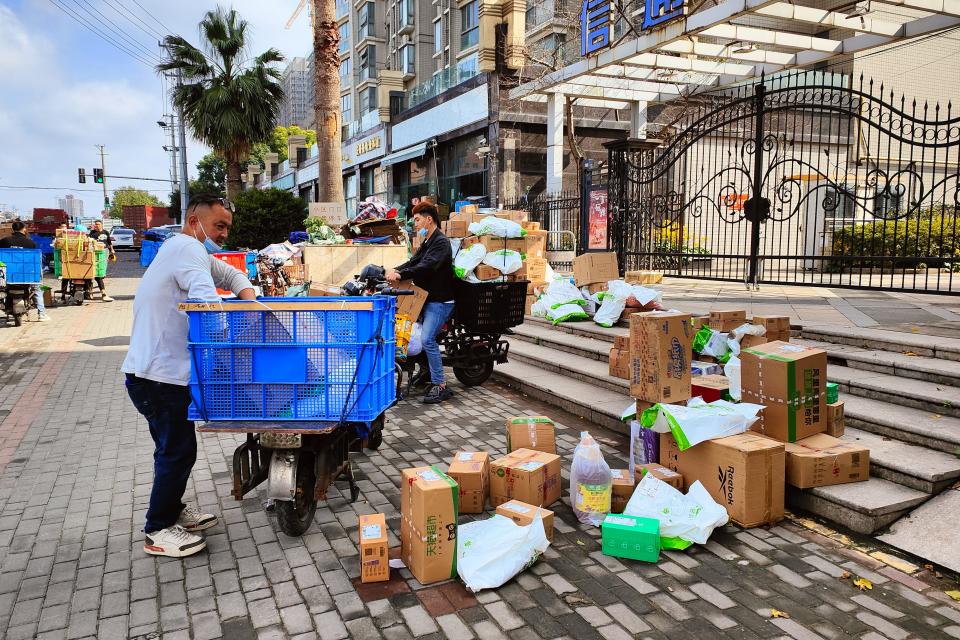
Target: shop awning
{"points": [[409, 153]]}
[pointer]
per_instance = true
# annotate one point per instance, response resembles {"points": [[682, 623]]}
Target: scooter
{"points": [[17, 301]]}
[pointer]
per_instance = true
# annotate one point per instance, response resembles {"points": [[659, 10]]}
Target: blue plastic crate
{"points": [[252, 265], [315, 361], [44, 243], [148, 251], [23, 265]]}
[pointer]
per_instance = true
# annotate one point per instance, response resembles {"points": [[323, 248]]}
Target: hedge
{"points": [[929, 240]]}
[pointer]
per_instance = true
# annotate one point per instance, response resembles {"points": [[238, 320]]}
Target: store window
{"points": [[469, 25], [463, 170]]}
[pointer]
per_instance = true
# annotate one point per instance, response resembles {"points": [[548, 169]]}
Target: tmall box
{"points": [[471, 470], [821, 460], [631, 537], [744, 473], [429, 501], [622, 489], [523, 514], [525, 475], [836, 424], [659, 472], [595, 267], [619, 363], [531, 432], [711, 388], [660, 356], [727, 320], [789, 380], [374, 555]]}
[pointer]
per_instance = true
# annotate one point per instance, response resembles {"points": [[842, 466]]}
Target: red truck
{"points": [[47, 221], [143, 217]]}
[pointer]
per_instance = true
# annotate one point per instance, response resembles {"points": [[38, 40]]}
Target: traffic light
{"points": [[98, 176], [106, 203], [82, 174]]}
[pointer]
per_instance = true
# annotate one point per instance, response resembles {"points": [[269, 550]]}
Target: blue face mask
{"points": [[208, 244], [422, 232]]}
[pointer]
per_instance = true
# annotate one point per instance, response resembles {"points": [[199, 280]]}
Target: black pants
{"points": [[175, 441]]}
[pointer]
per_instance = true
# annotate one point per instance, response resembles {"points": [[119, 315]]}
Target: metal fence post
{"points": [[583, 240], [753, 211]]}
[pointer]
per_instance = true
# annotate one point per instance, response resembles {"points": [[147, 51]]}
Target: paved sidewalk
{"points": [[76, 468]]}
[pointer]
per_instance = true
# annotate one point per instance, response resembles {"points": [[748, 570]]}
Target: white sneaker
{"points": [[175, 542], [43, 318], [106, 298], [192, 519]]}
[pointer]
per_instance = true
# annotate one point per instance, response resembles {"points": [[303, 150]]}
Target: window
{"points": [[343, 8], [368, 100], [345, 73], [405, 13], [469, 25], [367, 63], [437, 37], [366, 27], [408, 59], [539, 13], [344, 37], [345, 107], [397, 103], [888, 201]]}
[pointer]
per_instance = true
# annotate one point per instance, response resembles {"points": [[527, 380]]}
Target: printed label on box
{"points": [[465, 456], [532, 465], [626, 522], [371, 531], [593, 498], [429, 475], [516, 507]]}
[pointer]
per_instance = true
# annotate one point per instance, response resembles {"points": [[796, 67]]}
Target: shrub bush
{"points": [[930, 239], [265, 217]]}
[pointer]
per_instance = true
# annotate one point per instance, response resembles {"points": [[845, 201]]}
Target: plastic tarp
{"points": [[699, 420]]}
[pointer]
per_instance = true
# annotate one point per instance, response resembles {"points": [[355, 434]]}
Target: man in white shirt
{"points": [[157, 366]]}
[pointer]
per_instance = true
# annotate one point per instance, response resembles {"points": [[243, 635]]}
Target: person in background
{"points": [[19, 238], [100, 234], [157, 366], [431, 268]]}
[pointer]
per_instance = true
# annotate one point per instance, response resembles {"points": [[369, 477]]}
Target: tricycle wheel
{"points": [[375, 438], [295, 516], [475, 374], [17, 319]]}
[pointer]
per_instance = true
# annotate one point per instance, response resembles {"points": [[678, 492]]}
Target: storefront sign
{"points": [[595, 25], [598, 219], [369, 148], [657, 13], [371, 144]]}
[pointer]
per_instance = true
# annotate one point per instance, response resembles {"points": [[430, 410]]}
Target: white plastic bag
{"points": [[491, 552], [505, 260], [716, 346], [699, 420], [539, 308], [499, 227], [645, 296], [416, 340], [565, 313], [467, 260], [732, 371], [591, 484], [610, 311], [691, 517], [560, 292]]}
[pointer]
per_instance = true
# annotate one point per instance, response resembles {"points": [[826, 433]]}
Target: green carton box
{"points": [[833, 392], [624, 536]]}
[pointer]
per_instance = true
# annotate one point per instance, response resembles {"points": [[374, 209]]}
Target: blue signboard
{"points": [[595, 26], [659, 12]]}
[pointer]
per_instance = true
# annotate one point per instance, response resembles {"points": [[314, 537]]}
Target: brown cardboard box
{"points": [[622, 490], [534, 270], [836, 424], [596, 287], [727, 320], [643, 277], [619, 364], [528, 308], [526, 475], [471, 470], [822, 460], [374, 555], [595, 267], [531, 432], [530, 246], [523, 514], [468, 209], [622, 342], [411, 306], [790, 382], [486, 272], [530, 226], [660, 355], [428, 526], [659, 472], [782, 336], [773, 324], [643, 405], [748, 341], [456, 229], [518, 216], [700, 321], [744, 473], [711, 388]]}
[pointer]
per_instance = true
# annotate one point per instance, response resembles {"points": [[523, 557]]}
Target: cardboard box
{"points": [[595, 267], [528, 307], [748, 341], [700, 321], [531, 432], [534, 270], [822, 460], [643, 405], [632, 537], [660, 356], [456, 229], [833, 392], [836, 424], [530, 246], [703, 368], [660, 472], [530, 226], [622, 342], [643, 277], [781, 336], [773, 324], [471, 470], [744, 473], [523, 514], [429, 501], [622, 490], [619, 364], [711, 388], [411, 306], [467, 209], [374, 554], [727, 320], [790, 382], [525, 475], [486, 272]]}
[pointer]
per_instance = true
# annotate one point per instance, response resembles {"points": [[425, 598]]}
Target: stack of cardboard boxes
{"points": [[595, 270], [78, 254]]}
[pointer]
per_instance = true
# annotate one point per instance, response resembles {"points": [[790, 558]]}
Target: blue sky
{"points": [[64, 90]]}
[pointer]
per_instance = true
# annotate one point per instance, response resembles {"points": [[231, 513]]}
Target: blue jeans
{"points": [[435, 314], [175, 446], [38, 299]]}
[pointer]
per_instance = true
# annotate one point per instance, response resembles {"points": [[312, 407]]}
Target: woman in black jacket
{"points": [[431, 268]]}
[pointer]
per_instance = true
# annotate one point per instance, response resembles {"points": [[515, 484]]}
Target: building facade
{"points": [[72, 205], [297, 82]]}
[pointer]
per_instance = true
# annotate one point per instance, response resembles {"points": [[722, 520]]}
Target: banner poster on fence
{"points": [[598, 219]]}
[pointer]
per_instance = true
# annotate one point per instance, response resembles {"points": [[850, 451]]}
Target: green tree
{"points": [[229, 100], [278, 143], [212, 173], [130, 196], [196, 187], [263, 217]]}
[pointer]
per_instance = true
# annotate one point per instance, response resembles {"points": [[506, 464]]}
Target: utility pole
{"points": [[184, 178], [103, 168]]}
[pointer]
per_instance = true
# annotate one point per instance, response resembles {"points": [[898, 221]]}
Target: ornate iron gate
{"points": [[804, 178]]}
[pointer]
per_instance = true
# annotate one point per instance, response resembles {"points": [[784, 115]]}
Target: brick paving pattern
{"points": [[75, 473]]}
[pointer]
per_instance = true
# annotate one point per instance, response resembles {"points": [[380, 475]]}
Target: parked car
{"points": [[122, 238]]}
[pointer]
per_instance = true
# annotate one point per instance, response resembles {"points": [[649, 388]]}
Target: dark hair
{"points": [[208, 199], [427, 209], [18, 225]]}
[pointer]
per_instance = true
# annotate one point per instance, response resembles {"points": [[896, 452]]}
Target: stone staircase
{"points": [[902, 401]]}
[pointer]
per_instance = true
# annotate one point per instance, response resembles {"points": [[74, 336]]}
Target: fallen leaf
{"points": [[863, 584], [909, 353], [579, 542], [954, 594], [844, 575], [776, 613]]}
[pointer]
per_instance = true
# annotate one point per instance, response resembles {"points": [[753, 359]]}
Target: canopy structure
{"points": [[720, 46]]}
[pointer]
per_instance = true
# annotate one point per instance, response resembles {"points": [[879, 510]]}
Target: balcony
{"points": [[367, 122], [540, 13], [343, 9], [444, 80]]}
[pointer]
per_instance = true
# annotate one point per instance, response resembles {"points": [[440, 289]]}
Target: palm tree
{"points": [[326, 82], [229, 102]]}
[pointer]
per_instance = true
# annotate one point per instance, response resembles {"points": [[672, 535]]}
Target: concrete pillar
{"points": [[555, 102], [638, 120]]}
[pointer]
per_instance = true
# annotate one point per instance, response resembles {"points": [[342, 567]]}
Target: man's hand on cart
{"points": [[393, 276]]}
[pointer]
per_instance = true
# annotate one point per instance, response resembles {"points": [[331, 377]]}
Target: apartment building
{"points": [[297, 83]]}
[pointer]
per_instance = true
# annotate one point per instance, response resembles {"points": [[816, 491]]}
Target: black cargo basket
{"points": [[490, 307]]}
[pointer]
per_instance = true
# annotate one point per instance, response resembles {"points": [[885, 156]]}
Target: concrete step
{"points": [[914, 426], [907, 464], [930, 531], [894, 341], [938, 371], [864, 507], [905, 392], [576, 367], [588, 329], [594, 348]]}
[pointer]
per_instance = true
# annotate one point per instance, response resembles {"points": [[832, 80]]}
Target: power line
{"points": [[82, 21], [145, 10], [146, 28], [113, 27], [38, 188]]}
